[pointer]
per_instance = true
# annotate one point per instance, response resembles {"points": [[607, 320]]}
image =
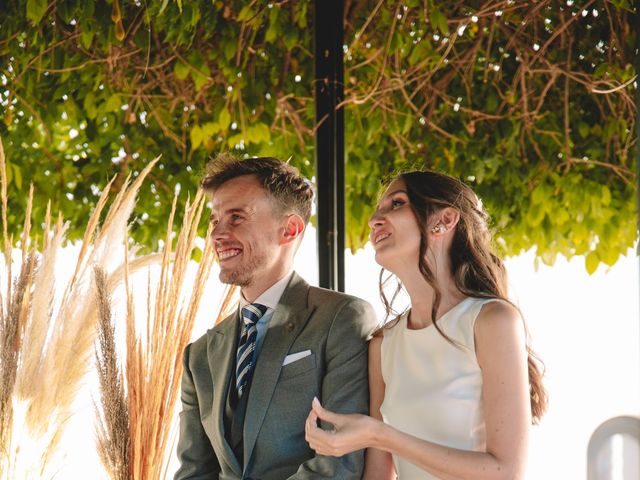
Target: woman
{"points": [[453, 384]]}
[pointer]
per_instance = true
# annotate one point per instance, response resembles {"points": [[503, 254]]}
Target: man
{"points": [[248, 382]]}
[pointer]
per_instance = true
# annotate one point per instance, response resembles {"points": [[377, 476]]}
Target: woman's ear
{"points": [[445, 220], [293, 228]]}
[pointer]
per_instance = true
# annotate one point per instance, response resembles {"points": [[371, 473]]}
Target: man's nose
{"points": [[219, 232]]}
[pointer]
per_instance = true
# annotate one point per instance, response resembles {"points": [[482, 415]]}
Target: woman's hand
{"points": [[350, 432]]}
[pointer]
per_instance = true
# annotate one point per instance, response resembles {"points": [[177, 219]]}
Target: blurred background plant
{"points": [[530, 102], [137, 415], [47, 334]]}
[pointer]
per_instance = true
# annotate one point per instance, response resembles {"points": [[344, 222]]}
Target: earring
{"points": [[439, 228]]}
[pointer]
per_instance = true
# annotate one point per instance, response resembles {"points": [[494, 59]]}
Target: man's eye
{"points": [[214, 222], [235, 218]]}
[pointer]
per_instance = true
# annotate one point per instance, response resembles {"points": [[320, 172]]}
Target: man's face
{"points": [[247, 233]]}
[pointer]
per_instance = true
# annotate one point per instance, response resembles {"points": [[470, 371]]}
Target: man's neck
{"points": [[255, 290]]}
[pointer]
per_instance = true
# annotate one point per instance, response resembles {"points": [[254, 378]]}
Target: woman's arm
{"points": [[378, 463], [353, 432], [502, 356]]}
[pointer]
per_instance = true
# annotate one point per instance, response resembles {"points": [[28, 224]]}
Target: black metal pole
{"points": [[636, 54], [329, 147]]}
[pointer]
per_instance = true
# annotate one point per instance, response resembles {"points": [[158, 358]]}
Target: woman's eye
{"points": [[395, 203]]}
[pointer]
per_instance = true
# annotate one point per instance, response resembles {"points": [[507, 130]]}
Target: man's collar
{"points": [[271, 296]]}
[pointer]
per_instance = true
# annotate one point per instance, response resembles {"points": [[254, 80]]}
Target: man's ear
{"points": [[293, 228]]}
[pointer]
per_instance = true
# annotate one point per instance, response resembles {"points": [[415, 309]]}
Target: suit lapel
{"points": [[221, 353], [289, 318]]}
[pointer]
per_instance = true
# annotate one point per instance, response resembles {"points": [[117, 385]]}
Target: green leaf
{"points": [[196, 137], [291, 40], [606, 195], [301, 15], [86, 35], [540, 194], [209, 128], [272, 33], [583, 129], [113, 104], [36, 10], [561, 216], [181, 70], [274, 28], [200, 72], [438, 20], [245, 13], [88, 8], [89, 104], [258, 133], [17, 176], [601, 69], [591, 262], [224, 119], [196, 255], [235, 140], [199, 80], [229, 47], [535, 215], [610, 256], [420, 52], [492, 103], [9, 172], [163, 6]]}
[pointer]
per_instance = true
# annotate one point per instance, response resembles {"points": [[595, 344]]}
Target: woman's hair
{"points": [[476, 270]]}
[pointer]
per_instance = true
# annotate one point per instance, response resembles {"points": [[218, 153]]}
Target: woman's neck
{"points": [[422, 297]]}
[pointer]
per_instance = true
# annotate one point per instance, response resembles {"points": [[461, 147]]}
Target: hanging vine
{"points": [[530, 102]]}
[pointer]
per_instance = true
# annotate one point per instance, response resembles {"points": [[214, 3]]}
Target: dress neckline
{"points": [[442, 317]]}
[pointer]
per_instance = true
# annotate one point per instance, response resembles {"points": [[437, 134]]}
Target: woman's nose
{"points": [[375, 220]]}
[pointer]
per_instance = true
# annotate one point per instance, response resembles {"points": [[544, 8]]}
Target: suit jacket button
{"points": [[290, 327]]}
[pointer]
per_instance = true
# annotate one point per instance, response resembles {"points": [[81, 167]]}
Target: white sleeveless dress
{"points": [[433, 390]]}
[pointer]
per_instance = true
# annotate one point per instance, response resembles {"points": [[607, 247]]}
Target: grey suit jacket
{"points": [[335, 327]]}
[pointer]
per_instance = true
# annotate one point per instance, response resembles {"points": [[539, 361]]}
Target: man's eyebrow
{"points": [[215, 213]]}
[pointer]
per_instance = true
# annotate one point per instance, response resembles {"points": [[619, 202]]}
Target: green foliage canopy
{"points": [[529, 102]]}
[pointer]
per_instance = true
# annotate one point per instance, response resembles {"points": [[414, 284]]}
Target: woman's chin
{"points": [[383, 261]]}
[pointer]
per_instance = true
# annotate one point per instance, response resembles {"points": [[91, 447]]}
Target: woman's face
{"points": [[395, 234]]}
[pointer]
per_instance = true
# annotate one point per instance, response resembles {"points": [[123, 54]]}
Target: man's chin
{"points": [[234, 278]]}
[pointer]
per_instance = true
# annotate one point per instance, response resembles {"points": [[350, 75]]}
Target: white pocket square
{"points": [[293, 357]]}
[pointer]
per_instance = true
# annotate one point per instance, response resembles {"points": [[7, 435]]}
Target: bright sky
{"points": [[585, 328]]}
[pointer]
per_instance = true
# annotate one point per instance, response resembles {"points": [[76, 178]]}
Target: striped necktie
{"points": [[251, 313]]}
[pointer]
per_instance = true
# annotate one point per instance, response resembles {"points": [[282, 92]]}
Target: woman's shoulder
{"points": [[497, 310], [498, 321]]}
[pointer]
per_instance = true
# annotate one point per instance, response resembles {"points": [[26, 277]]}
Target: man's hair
{"points": [[281, 181]]}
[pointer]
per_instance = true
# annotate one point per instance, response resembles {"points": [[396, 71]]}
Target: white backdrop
{"points": [[585, 328]]}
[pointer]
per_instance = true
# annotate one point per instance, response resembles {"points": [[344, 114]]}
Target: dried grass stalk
{"points": [[113, 428], [13, 318], [68, 351], [45, 351], [154, 351], [11, 334], [5, 235]]}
